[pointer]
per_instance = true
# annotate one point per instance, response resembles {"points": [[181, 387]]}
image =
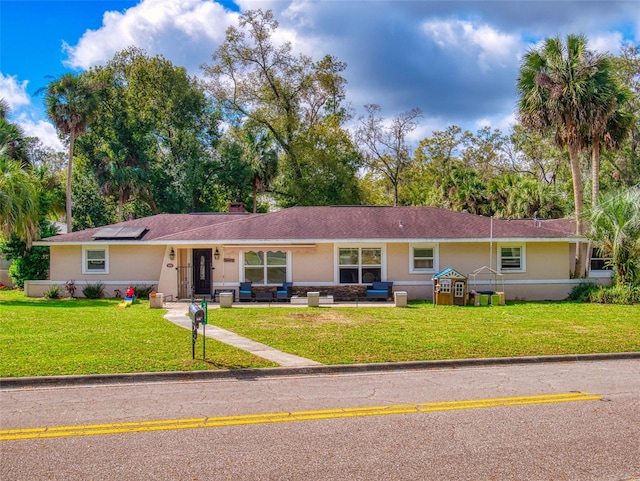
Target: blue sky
{"points": [[455, 60]]}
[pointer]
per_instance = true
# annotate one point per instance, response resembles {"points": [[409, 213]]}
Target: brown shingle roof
{"points": [[310, 224], [366, 222], [157, 226]]}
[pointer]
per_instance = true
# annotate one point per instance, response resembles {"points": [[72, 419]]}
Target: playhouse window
{"points": [[445, 286], [268, 267], [357, 265], [95, 261], [423, 258], [512, 258]]}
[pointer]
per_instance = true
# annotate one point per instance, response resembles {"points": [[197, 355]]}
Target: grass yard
{"points": [[74, 336], [425, 332]]}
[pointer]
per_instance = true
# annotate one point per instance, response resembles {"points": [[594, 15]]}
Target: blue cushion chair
{"points": [[245, 292], [380, 290], [285, 292]]}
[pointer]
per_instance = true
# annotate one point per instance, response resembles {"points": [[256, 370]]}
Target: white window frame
{"points": [[423, 270], [523, 258], [445, 286], [594, 251], [85, 259], [266, 265], [360, 265]]}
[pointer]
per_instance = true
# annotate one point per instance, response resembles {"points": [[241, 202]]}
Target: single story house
{"points": [[337, 250]]}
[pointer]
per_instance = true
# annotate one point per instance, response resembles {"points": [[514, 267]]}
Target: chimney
{"points": [[236, 207]]}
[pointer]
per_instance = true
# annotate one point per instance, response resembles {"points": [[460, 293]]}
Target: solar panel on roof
{"points": [[120, 233]]}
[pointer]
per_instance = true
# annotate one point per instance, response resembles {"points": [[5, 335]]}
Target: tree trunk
{"points": [[72, 139], [595, 172], [255, 195], [581, 247]]}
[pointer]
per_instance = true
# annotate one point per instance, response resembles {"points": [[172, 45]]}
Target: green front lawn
{"points": [[425, 332], [76, 336]]}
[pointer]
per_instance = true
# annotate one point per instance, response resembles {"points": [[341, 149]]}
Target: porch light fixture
{"points": [[172, 254], [216, 254]]}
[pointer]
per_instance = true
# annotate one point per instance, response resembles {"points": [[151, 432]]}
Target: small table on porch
{"points": [[264, 296]]}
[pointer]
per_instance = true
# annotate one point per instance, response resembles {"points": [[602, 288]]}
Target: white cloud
{"points": [[13, 91], [23, 112], [606, 43], [183, 31], [487, 43], [42, 129]]}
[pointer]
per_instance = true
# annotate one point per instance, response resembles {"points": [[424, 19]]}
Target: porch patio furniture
{"points": [[265, 296], [285, 292], [245, 292], [380, 290]]}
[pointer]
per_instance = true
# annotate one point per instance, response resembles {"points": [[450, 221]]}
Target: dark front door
{"points": [[202, 271]]}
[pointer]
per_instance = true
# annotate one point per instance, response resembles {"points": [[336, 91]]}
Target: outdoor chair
{"points": [[284, 292], [245, 292], [380, 290]]}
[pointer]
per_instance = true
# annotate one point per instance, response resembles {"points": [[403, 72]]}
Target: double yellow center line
{"points": [[210, 422]]}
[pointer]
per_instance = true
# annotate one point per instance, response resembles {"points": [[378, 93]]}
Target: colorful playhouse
{"points": [[450, 288]]}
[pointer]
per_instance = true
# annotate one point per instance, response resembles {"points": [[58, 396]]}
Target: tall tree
{"points": [[262, 159], [71, 104], [386, 149], [289, 95], [154, 140], [608, 123], [555, 84]]}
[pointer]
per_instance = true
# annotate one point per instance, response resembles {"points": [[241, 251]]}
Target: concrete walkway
{"points": [[177, 312]]}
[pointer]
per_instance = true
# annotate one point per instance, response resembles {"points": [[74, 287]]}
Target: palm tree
{"points": [[610, 124], [19, 213], [12, 141], [616, 230], [263, 162], [556, 83], [71, 102]]}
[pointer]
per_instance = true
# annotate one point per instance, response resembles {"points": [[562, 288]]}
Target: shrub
{"points": [[93, 291], [618, 294], [53, 292], [28, 264], [583, 292], [142, 292]]}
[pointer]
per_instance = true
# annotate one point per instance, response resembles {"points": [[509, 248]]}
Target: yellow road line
{"points": [[208, 422]]}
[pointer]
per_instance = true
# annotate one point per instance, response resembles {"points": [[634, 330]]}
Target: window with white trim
{"points": [[359, 265], [599, 260], [95, 260], [511, 258], [445, 286], [423, 258], [265, 267]]}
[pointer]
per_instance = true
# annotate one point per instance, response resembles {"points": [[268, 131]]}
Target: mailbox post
{"points": [[197, 315]]}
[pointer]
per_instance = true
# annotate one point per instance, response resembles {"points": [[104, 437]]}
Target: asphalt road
{"points": [[557, 421]]}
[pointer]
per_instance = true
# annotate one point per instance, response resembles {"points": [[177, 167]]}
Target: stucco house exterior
{"points": [[337, 250]]}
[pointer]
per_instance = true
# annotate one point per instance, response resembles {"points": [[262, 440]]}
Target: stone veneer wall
{"points": [[339, 293]]}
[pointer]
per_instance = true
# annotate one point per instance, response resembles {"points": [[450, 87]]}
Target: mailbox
{"points": [[196, 313]]}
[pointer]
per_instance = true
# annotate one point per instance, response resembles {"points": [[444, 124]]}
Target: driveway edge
{"points": [[7, 383]]}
